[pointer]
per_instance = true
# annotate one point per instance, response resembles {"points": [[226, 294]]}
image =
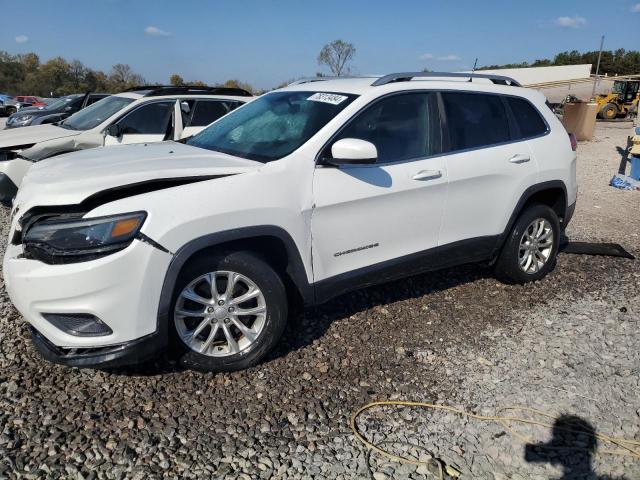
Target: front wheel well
{"points": [[270, 248]]}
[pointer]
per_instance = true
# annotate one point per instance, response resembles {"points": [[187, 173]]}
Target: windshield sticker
{"points": [[331, 98]]}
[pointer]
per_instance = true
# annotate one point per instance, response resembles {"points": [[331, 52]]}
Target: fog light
{"points": [[78, 324]]}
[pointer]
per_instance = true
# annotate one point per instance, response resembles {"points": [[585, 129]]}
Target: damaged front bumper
{"points": [[129, 353], [122, 290]]}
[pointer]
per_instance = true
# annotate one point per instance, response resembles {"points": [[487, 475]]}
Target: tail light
{"points": [[574, 142]]}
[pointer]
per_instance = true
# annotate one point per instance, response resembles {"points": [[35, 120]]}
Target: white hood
{"points": [[71, 178], [34, 134]]}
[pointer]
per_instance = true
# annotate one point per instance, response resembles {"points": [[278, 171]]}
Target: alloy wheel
{"points": [[536, 245], [220, 313]]}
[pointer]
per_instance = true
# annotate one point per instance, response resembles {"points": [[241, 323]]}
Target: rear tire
{"points": [[529, 252], [609, 111], [231, 339]]}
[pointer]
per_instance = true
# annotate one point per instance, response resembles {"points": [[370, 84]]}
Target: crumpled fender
{"points": [[57, 146]]}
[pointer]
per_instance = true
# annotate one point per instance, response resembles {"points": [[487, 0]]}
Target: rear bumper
{"points": [[129, 353]]}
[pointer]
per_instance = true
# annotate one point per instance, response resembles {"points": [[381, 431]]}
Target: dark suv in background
{"points": [[57, 110], [8, 104]]}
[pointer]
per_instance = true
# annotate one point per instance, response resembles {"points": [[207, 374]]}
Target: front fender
{"points": [[49, 148], [295, 267]]}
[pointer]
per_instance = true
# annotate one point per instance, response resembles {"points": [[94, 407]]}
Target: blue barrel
{"points": [[635, 167]]}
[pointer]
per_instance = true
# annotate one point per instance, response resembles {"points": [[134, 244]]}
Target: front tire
{"points": [[530, 250], [228, 312], [609, 111]]}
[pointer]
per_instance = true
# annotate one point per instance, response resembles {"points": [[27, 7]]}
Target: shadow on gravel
{"points": [[624, 153], [312, 324], [306, 326], [572, 448], [151, 368]]}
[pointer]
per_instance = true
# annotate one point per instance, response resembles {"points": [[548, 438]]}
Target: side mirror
{"points": [[353, 151], [113, 130]]}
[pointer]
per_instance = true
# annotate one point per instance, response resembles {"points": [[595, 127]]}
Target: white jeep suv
{"points": [[298, 196], [139, 115]]}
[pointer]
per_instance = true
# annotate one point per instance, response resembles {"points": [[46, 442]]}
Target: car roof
{"points": [[138, 96], [164, 90], [395, 82]]}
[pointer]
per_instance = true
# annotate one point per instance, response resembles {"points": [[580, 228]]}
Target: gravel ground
{"points": [[565, 345]]}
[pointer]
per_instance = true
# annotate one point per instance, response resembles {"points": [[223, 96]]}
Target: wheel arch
{"points": [[552, 193], [271, 242]]}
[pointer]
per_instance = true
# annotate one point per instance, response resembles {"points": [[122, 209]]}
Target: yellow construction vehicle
{"points": [[622, 101]]}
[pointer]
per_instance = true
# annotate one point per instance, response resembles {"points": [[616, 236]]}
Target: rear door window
{"points": [[208, 111], [475, 120], [529, 121]]}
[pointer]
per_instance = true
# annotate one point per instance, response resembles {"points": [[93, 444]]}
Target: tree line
{"points": [[613, 62], [25, 74]]}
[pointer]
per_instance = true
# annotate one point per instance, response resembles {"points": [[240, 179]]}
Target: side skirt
{"points": [[457, 253]]}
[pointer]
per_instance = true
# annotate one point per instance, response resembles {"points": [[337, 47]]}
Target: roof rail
{"points": [[318, 79], [406, 76], [156, 90]]}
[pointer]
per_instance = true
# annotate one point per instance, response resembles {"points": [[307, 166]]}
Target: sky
{"points": [[267, 42]]}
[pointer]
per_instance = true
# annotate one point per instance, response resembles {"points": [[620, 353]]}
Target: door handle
{"points": [[427, 175], [520, 158]]}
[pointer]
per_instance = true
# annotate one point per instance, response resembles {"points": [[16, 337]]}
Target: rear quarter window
{"points": [[528, 119]]}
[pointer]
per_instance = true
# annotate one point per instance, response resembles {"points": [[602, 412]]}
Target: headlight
{"points": [[65, 241], [23, 118]]}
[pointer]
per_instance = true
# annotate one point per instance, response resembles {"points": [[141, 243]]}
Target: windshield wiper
{"points": [[64, 125]]}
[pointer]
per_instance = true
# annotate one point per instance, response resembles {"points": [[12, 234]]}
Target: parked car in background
{"points": [[57, 110], [140, 115], [30, 101], [8, 104], [299, 196]]}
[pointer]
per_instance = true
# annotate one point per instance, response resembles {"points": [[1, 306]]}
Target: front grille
{"points": [[78, 324]]}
